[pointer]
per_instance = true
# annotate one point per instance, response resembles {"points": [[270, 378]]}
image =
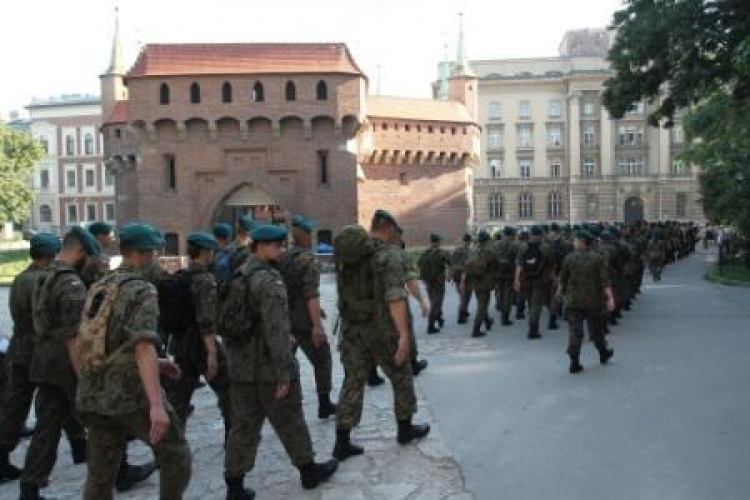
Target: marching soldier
{"points": [[434, 264], [535, 268], [458, 266], [480, 277], [506, 251]]}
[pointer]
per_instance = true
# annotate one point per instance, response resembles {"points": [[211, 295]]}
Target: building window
{"points": [[589, 108], [555, 108], [70, 145], [496, 206], [679, 167], [589, 167], [171, 244], [170, 172], [525, 168], [554, 136], [72, 215], [493, 112], [524, 110], [44, 179], [226, 92], [494, 138], [290, 91], [554, 205], [525, 139], [88, 144], [430, 129], [45, 144], [631, 166], [70, 178], [681, 205], [589, 135], [45, 214], [630, 135], [555, 168], [402, 179], [109, 211], [526, 206], [678, 135], [89, 178], [591, 206], [90, 212], [118, 133], [323, 166], [109, 179], [636, 109], [497, 171], [195, 93], [258, 93], [164, 94], [321, 91]]}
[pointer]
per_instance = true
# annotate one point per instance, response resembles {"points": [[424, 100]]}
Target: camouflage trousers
{"points": [[436, 294], [594, 319], [539, 294], [483, 305], [465, 296], [320, 358], [108, 437], [505, 296], [54, 411], [363, 347], [252, 403]]}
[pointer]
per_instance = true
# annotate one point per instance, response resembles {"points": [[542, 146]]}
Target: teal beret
{"points": [[140, 236], [269, 232], [384, 215], [509, 231], [222, 230], [202, 239], [467, 238], [483, 235], [584, 236], [45, 244], [606, 235], [100, 228], [303, 223], [87, 240], [435, 237], [536, 231], [246, 222]]}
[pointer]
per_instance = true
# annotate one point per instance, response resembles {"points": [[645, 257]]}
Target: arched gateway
{"points": [[633, 210], [249, 199]]}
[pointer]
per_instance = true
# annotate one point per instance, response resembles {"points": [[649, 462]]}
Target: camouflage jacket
{"points": [[95, 269], [20, 305], [488, 280], [583, 278], [389, 276], [118, 388], [240, 254], [301, 273], [432, 265], [506, 252], [458, 259], [547, 272], [267, 356], [57, 307]]}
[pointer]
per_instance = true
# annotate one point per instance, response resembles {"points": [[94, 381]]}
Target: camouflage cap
{"points": [[202, 239]]}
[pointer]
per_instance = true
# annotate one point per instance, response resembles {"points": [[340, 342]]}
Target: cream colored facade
{"points": [[550, 151]]}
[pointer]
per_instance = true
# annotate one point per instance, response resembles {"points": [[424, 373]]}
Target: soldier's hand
{"points": [[169, 369], [462, 287], [282, 390], [425, 308], [318, 337], [159, 424], [517, 286], [212, 366], [402, 354], [323, 314], [610, 304]]}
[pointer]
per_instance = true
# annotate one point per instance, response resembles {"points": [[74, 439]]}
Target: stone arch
{"points": [[323, 125], [292, 126], [228, 126], [139, 129], [166, 129], [260, 126], [196, 129], [633, 209], [350, 126], [237, 195]]}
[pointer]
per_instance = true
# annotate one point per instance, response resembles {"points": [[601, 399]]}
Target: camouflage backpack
{"points": [[236, 318], [477, 263], [353, 249], [432, 264]]}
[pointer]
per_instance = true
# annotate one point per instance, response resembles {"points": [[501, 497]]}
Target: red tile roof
{"points": [[407, 108], [243, 58], [119, 113]]}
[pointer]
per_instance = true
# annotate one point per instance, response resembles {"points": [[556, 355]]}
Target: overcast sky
{"points": [[51, 47]]}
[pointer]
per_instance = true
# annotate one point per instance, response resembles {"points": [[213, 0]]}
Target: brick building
{"points": [[198, 133]]}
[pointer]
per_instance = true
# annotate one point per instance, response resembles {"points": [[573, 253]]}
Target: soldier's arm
{"points": [[72, 297], [274, 313], [395, 296], [311, 293], [204, 297]]}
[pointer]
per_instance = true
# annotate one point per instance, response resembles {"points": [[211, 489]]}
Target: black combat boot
{"points": [[325, 407], [236, 489], [612, 320], [575, 365], [488, 322], [407, 432], [27, 431], [313, 474], [431, 328], [606, 328], [605, 354], [477, 332], [506, 320], [441, 321], [462, 318], [520, 314], [130, 475], [344, 448], [374, 380], [552, 323], [78, 450], [29, 492], [8, 471], [417, 365], [534, 333]]}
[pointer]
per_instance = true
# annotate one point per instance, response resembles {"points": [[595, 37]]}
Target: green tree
{"points": [[18, 153]]}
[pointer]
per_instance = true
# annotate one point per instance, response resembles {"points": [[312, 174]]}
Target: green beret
{"points": [[100, 228], [140, 236], [483, 236], [537, 231], [466, 238], [576, 227], [269, 232], [87, 240], [567, 229], [202, 239], [595, 231], [509, 231], [222, 230], [435, 237], [584, 236], [606, 235], [246, 222], [383, 215], [303, 223], [45, 244], [555, 226]]}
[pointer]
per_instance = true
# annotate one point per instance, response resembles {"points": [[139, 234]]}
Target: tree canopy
{"points": [[18, 154]]}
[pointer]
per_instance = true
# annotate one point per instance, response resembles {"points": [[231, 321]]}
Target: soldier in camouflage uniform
{"points": [[458, 265], [379, 335], [506, 251], [57, 306], [522, 297], [240, 248], [196, 350], [434, 264], [223, 254], [536, 278], [585, 284], [414, 289], [614, 258], [97, 266], [124, 398], [482, 282], [265, 375], [301, 273]]}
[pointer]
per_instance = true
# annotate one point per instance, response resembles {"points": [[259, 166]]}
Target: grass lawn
{"points": [[11, 264], [734, 273]]}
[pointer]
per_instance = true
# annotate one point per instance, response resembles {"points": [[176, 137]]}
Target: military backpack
{"points": [[176, 307], [477, 263], [236, 318], [533, 260], [353, 249]]}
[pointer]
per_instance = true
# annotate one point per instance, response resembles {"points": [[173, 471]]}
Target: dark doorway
{"points": [[633, 210]]}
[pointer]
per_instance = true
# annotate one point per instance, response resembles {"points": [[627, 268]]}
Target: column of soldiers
{"points": [[99, 366]]}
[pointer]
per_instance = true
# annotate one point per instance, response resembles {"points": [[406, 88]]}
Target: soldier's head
{"points": [[467, 239], [302, 231], [268, 242], [201, 247], [384, 227], [245, 226], [140, 244], [77, 246], [536, 233], [582, 240], [102, 232], [223, 234], [509, 232], [43, 247], [483, 236], [435, 239]]}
